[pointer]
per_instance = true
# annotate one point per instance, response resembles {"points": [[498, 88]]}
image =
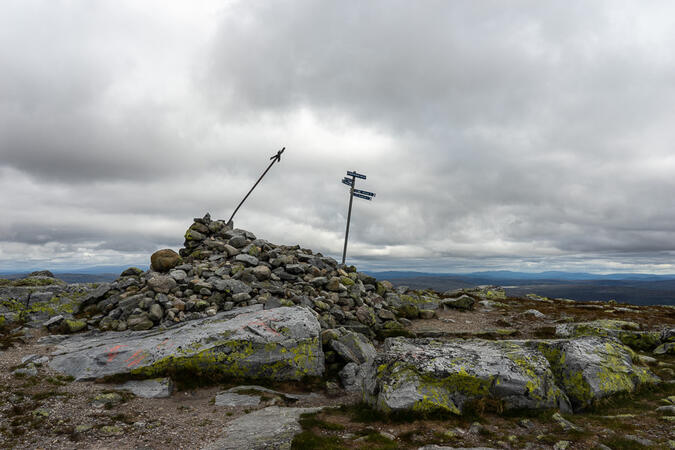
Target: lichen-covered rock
{"points": [[424, 375], [626, 332], [464, 302], [278, 344], [591, 368]]}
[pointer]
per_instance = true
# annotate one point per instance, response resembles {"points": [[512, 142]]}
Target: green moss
{"points": [[640, 340], [437, 394], [309, 440], [409, 311], [231, 359]]}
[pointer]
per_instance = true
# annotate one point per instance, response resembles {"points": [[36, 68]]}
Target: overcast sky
{"points": [[525, 135]]}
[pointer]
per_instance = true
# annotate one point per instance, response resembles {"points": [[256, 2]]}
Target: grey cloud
{"points": [[530, 136]]}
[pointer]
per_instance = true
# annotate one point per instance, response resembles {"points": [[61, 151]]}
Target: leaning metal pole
{"points": [[275, 158], [349, 216]]}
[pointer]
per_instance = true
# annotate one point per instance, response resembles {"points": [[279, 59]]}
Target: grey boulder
{"points": [[278, 344], [426, 375]]}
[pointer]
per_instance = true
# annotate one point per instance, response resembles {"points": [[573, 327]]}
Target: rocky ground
{"points": [[240, 343]]}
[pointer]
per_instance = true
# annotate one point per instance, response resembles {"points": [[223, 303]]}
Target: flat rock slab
{"points": [[233, 399], [278, 344], [154, 388], [269, 428], [264, 390]]}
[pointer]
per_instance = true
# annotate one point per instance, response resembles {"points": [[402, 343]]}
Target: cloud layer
{"points": [[533, 137]]}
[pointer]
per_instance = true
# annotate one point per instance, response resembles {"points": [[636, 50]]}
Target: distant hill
{"points": [[94, 274], [635, 288]]}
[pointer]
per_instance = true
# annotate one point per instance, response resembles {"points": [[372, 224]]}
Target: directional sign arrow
{"points": [[365, 197], [359, 191], [356, 174], [347, 182]]}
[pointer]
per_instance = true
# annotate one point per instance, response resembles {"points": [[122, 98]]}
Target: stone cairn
{"points": [[220, 268]]}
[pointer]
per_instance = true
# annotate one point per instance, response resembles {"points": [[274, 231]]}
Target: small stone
{"points": [[30, 370], [161, 284], [565, 424], [387, 436], [139, 324], [73, 326], [476, 428], [237, 242], [111, 430], [106, 400], [131, 272], [538, 315], [155, 312], [231, 399], [241, 297], [640, 440], [54, 322], [427, 314], [262, 273], [562, 445], [385, 314], [247, 259], [83, 428], [667, 348], [152, 388], [526, 423], [670, 409], [178, 275], [647, 360]]}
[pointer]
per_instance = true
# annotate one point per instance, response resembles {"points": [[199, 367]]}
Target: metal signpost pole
{"points": [[353, 193], [349, 217], [275, 158]]}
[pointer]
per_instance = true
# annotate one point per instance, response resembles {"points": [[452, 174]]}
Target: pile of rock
{"points": [[220, 268]]}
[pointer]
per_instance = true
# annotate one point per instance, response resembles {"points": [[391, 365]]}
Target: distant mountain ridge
{"points": [[511, 275], [635, 288]]}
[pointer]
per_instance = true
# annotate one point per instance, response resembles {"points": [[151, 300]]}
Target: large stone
{"points": [[425, 375], [590, 368], [269, 428], [353, 347], [464, 302], [164, 260], [626, 332], [278, 344]]}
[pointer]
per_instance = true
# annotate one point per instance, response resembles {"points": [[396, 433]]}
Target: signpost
{"points": [[274, 159], [351, 182]]}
